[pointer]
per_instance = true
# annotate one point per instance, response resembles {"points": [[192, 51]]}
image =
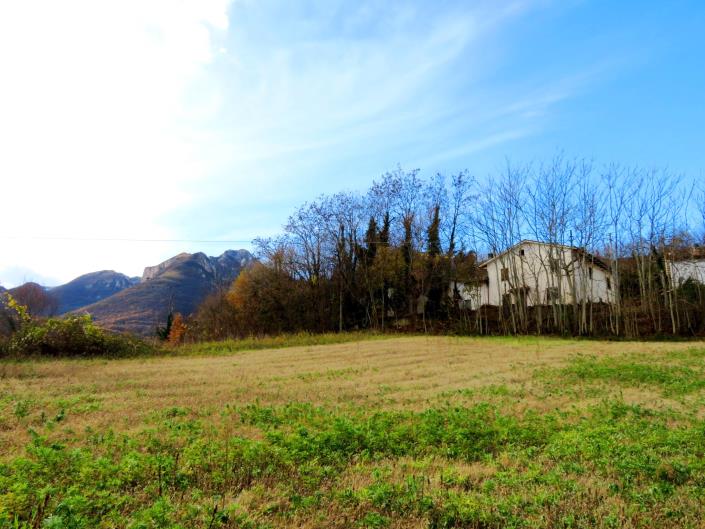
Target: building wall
{"points": [[681, 271], [529, 265], [472, 297]]}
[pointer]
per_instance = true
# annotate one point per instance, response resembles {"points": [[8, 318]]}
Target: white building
{"points": [[681, 271], [536, 273], [686, 263]]}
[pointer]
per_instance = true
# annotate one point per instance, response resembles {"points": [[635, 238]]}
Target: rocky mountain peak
{"points": [[178, 284]]}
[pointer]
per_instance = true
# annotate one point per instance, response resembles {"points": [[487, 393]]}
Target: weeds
{"points": [[185, 474], [673, 380]]}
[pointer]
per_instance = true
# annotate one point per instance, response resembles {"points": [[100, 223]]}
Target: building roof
{"points": [[597, 261]]}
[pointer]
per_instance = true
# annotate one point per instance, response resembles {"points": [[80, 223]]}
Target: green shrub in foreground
{"points": [[71, 336]]}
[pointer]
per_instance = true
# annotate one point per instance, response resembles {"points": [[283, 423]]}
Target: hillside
{"points": [[90, 288], [179, 284]]}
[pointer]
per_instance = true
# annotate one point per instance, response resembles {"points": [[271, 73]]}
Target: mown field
{"points": [[396, 432]]}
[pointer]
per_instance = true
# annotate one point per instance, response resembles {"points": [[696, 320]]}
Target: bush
{"points": [[72, 336], [13, 315]]}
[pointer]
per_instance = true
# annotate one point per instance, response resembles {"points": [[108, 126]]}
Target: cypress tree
{"points": [[371, 240], [384, 232], [434, 238]]}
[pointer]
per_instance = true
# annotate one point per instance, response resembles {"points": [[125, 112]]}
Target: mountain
{"points": [[178, 284], [82, 291], [90, 288]]}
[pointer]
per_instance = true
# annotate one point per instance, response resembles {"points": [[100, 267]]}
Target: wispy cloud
{"points": [[380, 82]]}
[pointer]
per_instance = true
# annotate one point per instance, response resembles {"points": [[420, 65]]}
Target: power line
{"points": [[119, 239]]}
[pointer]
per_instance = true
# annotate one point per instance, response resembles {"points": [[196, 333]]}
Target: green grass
{"points": [[686, 376], [505, 454], [180, 472]]}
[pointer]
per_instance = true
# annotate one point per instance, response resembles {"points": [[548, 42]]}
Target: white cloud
{"points": [[101, 103]]}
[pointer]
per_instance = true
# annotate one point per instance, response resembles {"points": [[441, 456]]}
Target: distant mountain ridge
{"points": [[178, 284], [90, 288]]}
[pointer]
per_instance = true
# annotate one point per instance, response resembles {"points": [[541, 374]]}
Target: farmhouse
{"points": [[537, 273], [683, 267]]}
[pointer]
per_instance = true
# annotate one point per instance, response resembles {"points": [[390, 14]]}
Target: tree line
{"points": [[396, 255]]}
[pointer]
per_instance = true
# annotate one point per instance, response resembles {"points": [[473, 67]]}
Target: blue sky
{"points": [[213, 119]]}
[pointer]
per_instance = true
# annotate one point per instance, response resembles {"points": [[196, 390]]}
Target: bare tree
{"points": [[37, 299], [498, 223], [342, 217], [619, 188]]}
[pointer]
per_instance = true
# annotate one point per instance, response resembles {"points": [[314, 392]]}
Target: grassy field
{"points": [[399, 432]]}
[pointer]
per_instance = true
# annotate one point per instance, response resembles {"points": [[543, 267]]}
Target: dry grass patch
{"points": [[404, 432], [402, 373]]}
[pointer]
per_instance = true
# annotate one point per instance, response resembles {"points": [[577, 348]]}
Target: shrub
{"points": [[13, 315], [72, 336], [177, 330], [215, 319]]}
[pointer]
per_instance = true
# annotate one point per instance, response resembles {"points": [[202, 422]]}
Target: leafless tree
{"points": [[37, 299], [498, 223]]}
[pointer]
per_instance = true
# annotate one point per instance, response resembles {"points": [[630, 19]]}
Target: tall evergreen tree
{"points": [[434, 281], [384, 232], [371, 240], [434, 238]]}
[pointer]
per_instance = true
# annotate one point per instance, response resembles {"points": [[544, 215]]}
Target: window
{"points": [[553, 295], [590, 273], [516, 296], [505, 274], [521, 252], [609, 284], [555, 265]]}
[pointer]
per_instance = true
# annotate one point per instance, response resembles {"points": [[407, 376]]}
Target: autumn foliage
{"points": [[177, 330]]}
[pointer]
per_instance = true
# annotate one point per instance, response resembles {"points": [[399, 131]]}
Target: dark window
{"points": [[505, 274], [609, 284], [516, 296], [553, 295], [521, 252], [555, 265], [590, 273]]}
